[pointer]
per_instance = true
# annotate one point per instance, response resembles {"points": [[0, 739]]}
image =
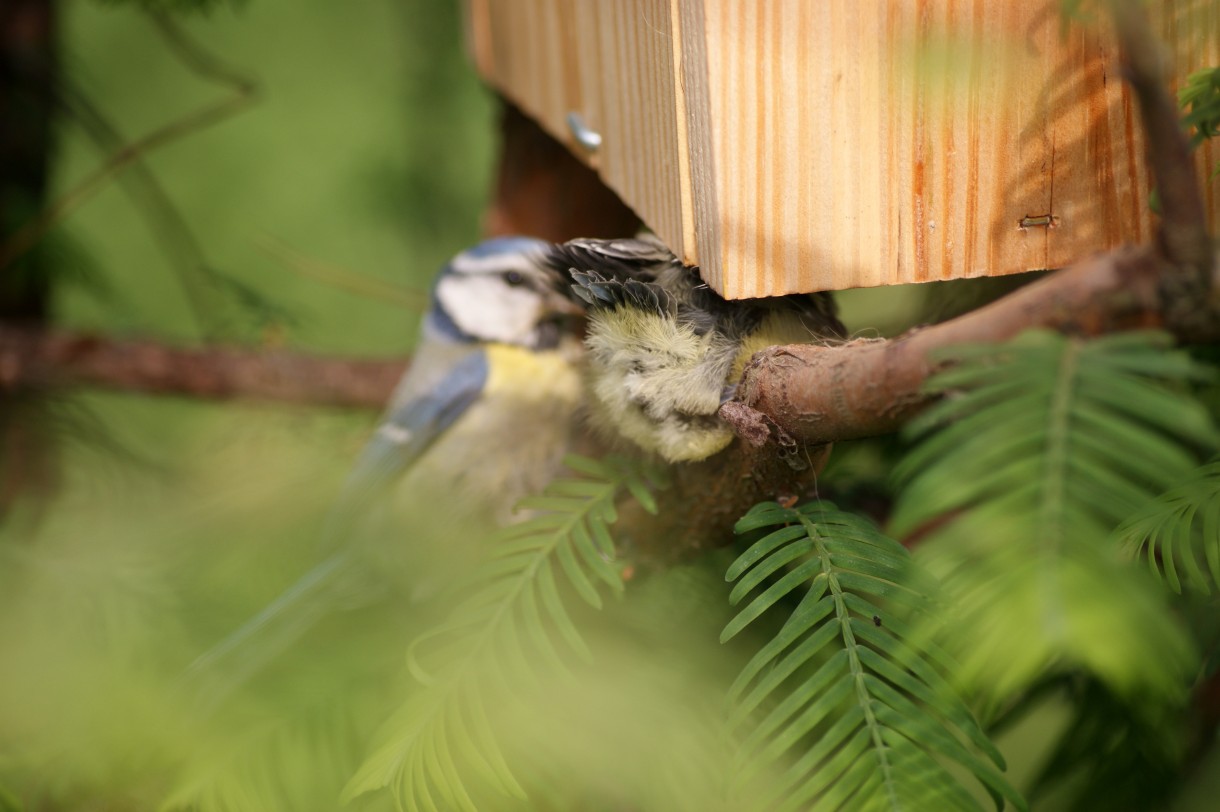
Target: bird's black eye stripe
{"points": [[513, 279]]}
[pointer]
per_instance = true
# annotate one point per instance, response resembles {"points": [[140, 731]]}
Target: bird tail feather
{"points": [[218, 672]]}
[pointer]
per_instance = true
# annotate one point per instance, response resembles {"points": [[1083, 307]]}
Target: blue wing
{"points": [[340, 580], [406, 434]]}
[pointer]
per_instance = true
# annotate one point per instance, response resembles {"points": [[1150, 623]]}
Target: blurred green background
{"points": [[370, 148]]}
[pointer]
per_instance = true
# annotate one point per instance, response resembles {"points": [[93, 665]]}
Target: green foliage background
{"points": [[370, 148]]}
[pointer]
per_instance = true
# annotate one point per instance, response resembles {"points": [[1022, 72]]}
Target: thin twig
{"points": [[203, 64]]}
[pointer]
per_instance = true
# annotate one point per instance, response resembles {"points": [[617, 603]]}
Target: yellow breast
{"points": [[523, 374]]}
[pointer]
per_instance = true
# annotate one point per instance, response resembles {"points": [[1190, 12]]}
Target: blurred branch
{"points": [[1183, 229], [33, 358], [821, 394], [705, 499]]}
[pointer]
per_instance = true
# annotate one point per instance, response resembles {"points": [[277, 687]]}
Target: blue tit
{"points": [[664, 351], [493, 388], [481, 419]]}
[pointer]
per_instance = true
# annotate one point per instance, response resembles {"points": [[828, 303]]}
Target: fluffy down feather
{"points": [[665, 351]]}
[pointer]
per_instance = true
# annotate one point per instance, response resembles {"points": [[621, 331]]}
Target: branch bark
{"points": [[820, 394], [33, 358]]}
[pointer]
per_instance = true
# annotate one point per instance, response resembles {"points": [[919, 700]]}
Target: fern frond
{"points": [[1038, 449], [1180, 532], [513, 629], [867, 716]]}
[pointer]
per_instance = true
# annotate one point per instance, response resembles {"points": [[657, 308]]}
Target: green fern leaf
{"points": [[841, 679], [1180, 531], [498, 643], [1037, 450]]}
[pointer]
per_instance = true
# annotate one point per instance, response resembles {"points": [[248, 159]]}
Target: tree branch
{"points": [[821, 394], [33, 358]]}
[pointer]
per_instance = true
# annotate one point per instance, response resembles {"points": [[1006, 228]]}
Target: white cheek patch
{"points": [[488, 309]]}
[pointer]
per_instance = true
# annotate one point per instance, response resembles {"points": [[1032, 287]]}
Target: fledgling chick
{"points": [[482, 418], [665, 351]]}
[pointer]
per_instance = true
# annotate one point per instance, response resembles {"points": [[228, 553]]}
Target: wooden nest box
{"points": [[800, 145]]}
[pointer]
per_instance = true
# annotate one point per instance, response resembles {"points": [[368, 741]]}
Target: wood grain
{"points": [[614, 63], [794, 146]]}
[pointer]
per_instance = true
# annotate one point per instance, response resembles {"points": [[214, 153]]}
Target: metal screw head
{"points": [[588, 138]]}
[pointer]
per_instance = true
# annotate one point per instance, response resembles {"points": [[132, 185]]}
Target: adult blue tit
{"points": [[481, 419], [487, 410], [664, 351]]}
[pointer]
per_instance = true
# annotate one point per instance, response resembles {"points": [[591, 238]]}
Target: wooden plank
{"points": [[790, 145], [612, 62], [627, 60], [866, 144]]}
